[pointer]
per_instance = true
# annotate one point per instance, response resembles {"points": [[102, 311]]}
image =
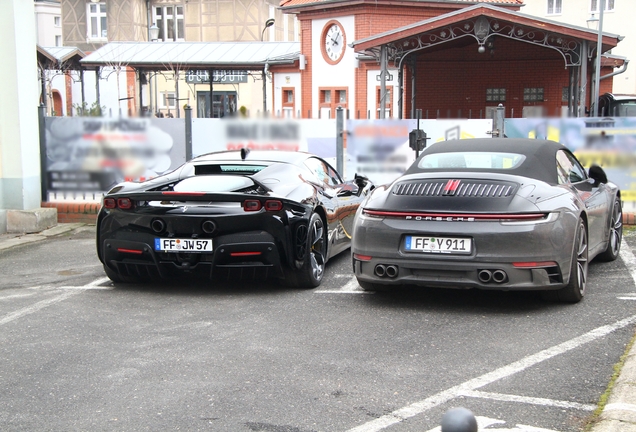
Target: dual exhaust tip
{"points": [[383, 270], [159, 226], [497, 276]]}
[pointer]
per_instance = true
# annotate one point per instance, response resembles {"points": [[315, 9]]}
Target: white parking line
{"points": [[444, 396], [48, 302], [529, 400], [351, 287], [17, 296], [628, 258]]}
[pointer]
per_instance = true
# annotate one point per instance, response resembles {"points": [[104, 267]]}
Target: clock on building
{"points": [[333, 42]]}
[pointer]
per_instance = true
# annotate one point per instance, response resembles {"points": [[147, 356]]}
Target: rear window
{"points": [[213, 184], [471, 160], [244, 169]]}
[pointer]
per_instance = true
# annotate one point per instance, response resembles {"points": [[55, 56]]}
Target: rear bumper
{"points": [[252, 254]]}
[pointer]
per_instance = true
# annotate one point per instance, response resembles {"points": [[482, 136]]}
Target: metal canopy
{"points": [[193, 55], [60, 57], [480, 22]]}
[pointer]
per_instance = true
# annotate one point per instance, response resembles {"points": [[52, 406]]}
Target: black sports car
{"points": [[231, 214], [500, 213]]}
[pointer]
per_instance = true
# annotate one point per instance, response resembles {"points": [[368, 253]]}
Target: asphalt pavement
{"points": [[619, 412]]}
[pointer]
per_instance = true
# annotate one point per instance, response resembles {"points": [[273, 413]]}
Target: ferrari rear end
{"points": [[166, 234]]}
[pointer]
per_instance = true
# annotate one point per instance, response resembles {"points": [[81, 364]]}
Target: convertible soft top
{"points": [[539, 163]]}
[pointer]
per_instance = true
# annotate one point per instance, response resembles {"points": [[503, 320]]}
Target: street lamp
{"points": [[153, 31], [599, 49], [270, 22]]}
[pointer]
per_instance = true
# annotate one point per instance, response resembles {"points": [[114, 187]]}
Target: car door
{"points": [[331, 184], [594, 197]]}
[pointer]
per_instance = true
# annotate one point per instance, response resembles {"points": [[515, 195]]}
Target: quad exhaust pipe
{"points": [[384, 270], [487, 276]]}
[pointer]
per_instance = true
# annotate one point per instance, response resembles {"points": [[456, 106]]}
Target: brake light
{"points": [[252, 205], [534, 264], [362, 257], [273, 205], [124, 203], [242, 254], [110, 203]]}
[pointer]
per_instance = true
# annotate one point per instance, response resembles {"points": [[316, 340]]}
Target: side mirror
{"points": [[597, 174]]}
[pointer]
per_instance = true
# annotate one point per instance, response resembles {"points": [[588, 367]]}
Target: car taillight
{"points": [[121, 203], [252, 205], [124, 203], [273, 205], [110, 203]]}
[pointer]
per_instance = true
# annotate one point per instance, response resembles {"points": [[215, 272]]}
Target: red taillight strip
{"points": [[131, 251], [362, 257], [535, 264], [240, 254], [443, 216]]}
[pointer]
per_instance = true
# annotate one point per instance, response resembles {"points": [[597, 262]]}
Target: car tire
{"points": [[574, 291], [312, 249], [615, 234]]}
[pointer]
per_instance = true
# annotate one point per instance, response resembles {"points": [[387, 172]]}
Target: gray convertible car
{"points": [[500, 213]]}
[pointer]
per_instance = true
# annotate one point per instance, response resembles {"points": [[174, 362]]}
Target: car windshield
{"points": [[471, 160], [626, 109]]}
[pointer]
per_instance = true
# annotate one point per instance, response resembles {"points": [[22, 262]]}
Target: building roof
{"points": [[60, 57], [307, 3], [184, 55], [523, 22]]}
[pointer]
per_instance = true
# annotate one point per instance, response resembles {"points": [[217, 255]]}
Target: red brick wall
{"points": [[455, 79], [75, 212], [69, 93], [305, 75]]}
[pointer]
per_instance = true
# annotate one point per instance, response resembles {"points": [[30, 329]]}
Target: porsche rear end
{"points": [[474, 233]]}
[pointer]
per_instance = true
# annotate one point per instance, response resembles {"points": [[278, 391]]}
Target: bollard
{"points": [[459, 420]]}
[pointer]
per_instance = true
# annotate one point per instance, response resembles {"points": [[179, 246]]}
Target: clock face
{"points": [[333, 42]]}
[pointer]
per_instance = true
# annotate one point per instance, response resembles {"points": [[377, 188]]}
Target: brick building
{"points": [[447, 59]]}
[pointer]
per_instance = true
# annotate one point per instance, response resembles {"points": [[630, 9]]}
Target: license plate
{"points": [[183, 245], [445, 245]]}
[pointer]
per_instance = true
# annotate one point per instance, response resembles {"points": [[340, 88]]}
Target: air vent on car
{"points": [[455, 187]]}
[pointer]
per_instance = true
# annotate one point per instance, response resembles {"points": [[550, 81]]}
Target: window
{"points": [[533, 94], [288, 102], [169, 19], [496, 95], [472, 160], [58, 40], [57, 21], [568, 169], [168, 100], [323, 171], [554, 7], [609, 5], [330, 99], [96, 17]]}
